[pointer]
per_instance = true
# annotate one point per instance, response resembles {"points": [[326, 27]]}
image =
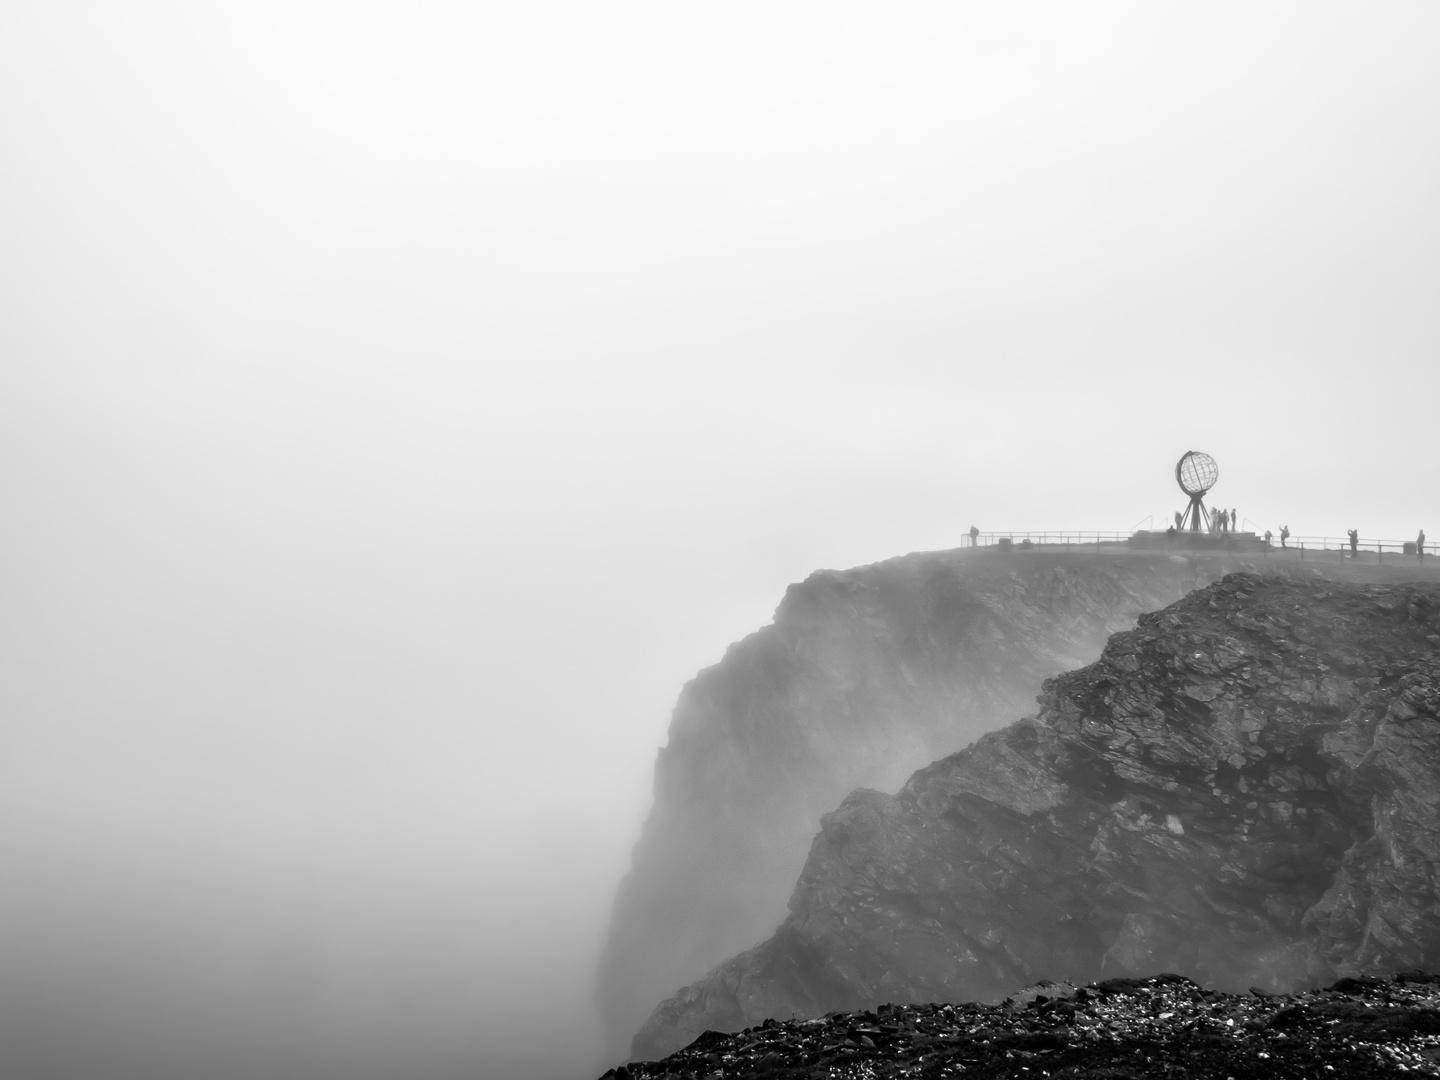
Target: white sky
{"points": [[398, 402]]}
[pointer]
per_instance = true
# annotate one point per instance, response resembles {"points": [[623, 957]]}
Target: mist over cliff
{"points": [[864, 676], [400, 401], [1242, 788]]}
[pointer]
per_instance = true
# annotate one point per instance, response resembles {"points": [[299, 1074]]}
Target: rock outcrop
{"points": [[1119, 1029], [864, 676], [1244, 789]]}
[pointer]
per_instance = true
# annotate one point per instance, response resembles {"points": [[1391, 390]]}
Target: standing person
{"points": [[1268, 537], [1284, 534], [1420, 544], [1179, 519], [1354, 543], [974, 536], [1234, 520]]}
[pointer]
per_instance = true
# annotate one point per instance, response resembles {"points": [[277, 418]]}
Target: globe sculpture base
{"points": [[1197, 518]]}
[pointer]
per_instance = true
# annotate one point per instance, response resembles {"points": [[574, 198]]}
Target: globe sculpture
{"points": [[1196, 474]]}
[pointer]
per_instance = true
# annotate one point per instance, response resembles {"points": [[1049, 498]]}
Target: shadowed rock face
{"points": [[864, 676], [1244, 789]]}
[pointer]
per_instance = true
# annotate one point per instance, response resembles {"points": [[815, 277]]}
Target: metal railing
{"points": [[1036, 537], [1299, 547], [1318, 546]]}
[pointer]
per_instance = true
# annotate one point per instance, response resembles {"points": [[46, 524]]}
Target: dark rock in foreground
{"points": [[1244, 789], [1121, 1029]]}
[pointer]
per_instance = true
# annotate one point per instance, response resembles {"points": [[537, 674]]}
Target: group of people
{"points": [[1221, 521]]}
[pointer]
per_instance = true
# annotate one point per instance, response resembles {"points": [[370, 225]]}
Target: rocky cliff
{"points": [[1245, 789], [864, 676]]}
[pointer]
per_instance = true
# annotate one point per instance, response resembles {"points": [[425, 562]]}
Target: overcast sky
{"points": [[399, 402]]}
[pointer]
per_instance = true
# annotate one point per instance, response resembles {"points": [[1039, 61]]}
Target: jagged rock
{"points": [[1244, 789], [1118, 1029], [864, 675]]}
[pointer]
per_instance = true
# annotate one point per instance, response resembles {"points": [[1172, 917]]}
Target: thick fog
{"points": [[399, 402]]}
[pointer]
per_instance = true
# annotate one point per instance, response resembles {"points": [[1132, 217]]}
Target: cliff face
{"points": [[1244, 789], [864, 675]]}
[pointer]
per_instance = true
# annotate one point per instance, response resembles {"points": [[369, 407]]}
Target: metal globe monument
{"points": [[1196, 474]]}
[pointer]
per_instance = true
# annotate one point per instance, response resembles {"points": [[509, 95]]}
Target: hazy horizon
{"points": [[400, 403]]}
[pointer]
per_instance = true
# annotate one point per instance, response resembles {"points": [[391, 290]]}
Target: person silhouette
{"points": [[974, 536], [1268, 537], [1284, 535], [1354, 543], [1420, 544]]}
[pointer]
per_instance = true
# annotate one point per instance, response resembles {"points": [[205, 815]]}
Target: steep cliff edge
{"points": [[864, 676], [1244, 789]]}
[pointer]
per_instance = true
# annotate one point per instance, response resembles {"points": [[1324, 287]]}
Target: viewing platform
{"points": [[1331, 548]]}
